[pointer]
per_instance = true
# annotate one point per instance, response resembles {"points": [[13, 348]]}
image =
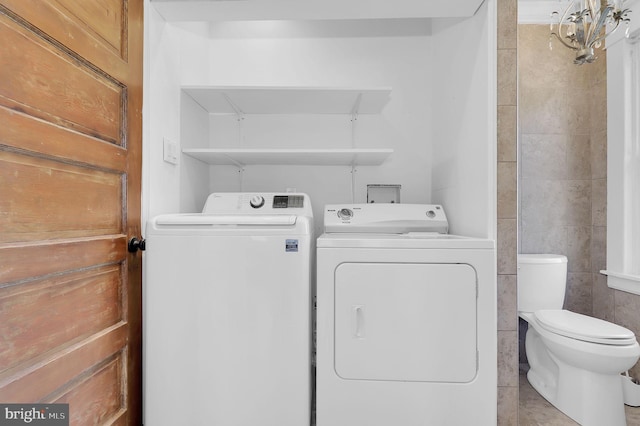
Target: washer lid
{"points": [[585, 328]]}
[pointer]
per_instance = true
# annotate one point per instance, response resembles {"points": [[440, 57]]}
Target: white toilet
{"points": [[575, 360]]}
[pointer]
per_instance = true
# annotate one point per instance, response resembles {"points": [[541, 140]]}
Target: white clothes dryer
{"points": [[406, 320], [227, 313]]}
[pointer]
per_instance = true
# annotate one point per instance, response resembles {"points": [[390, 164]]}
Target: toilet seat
{"points": [[585, 328]]}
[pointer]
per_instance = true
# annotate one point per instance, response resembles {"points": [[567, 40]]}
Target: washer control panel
{"points": [[385, 218], [257, 203], [288, 201]]}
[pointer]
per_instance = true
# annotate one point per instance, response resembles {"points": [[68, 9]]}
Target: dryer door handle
{"points": [[357, 316]]}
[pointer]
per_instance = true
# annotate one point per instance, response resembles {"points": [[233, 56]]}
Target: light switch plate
{"points": [[170, 151]]}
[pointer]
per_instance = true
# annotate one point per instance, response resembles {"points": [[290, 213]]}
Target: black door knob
{"points": [[136, 244]]}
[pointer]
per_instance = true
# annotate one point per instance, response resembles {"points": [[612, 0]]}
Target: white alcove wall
{"points": [[172, 54], [465, 122], [439, 121], [401, 63]]}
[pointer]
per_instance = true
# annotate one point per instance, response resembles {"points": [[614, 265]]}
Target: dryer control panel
{"points": [[385, 218]]}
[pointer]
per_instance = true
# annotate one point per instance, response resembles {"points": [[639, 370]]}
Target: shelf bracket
{"points": [[233, 106], [238, 164], [354, 118], [353, 182], [241, 177], [356, 105], [239, 117]]}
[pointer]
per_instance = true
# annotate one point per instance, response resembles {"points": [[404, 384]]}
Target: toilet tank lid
{"points": [[542, 258], [582, 327]]}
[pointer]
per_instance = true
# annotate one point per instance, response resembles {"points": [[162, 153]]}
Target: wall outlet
{"points": [[170, 151]]}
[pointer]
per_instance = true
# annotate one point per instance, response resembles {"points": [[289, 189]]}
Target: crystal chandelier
{"points": [[585, 24]]}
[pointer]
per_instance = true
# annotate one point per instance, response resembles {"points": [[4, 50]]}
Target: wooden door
{"points": [[70, 174]]}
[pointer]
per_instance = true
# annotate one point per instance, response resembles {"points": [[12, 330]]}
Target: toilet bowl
{"points": [[575, 360]]}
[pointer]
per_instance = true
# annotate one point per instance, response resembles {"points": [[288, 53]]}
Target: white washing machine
{"points": [[406, 320], [227, 313]]}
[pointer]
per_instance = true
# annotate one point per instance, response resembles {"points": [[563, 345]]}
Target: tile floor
{"points": [[534, 410]]}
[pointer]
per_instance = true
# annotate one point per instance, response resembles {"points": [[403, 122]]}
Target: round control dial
{"points": [[345, 214], [256, 201], [431, 214]]}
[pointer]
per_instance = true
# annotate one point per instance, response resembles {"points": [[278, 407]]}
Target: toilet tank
{"points": [[542, 281]]}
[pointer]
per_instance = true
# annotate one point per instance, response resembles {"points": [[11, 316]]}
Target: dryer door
{"points": [[406, 322]]}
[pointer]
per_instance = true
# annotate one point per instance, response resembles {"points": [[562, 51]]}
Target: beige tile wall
{"points": [[563, 172], [507, 212], [603, 296], [557, 196]]}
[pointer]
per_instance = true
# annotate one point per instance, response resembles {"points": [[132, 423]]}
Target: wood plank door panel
{"points": [[70, 174]]}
